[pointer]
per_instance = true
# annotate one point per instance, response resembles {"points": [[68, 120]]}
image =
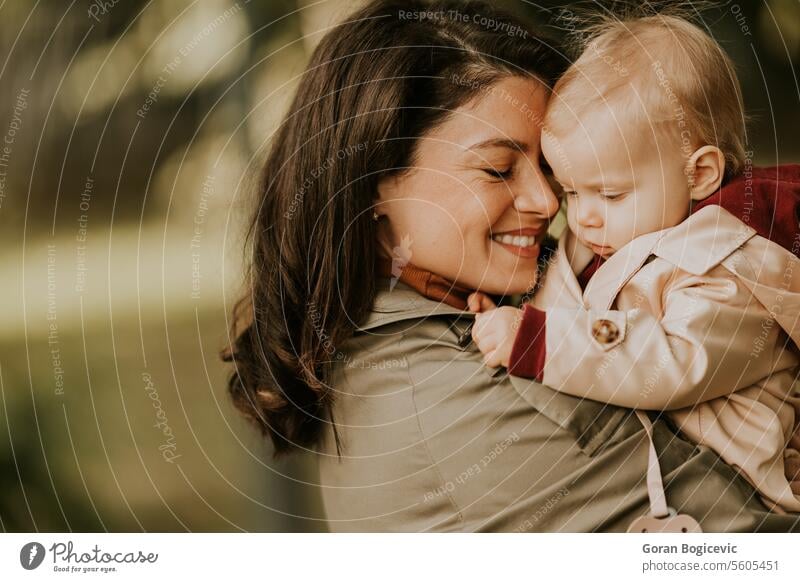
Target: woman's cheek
{"points": [[438, 237], [489, 208]]}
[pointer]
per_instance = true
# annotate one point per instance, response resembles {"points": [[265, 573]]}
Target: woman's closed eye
{"points": [[499, 173]]}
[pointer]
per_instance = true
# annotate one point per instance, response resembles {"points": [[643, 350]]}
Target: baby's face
{"points": [[620, 179]]}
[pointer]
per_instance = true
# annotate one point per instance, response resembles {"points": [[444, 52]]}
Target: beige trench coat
{"points": [[689, 311], [431, 440]]}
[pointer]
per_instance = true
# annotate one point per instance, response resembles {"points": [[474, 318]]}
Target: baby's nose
{"points": [[588, 216]]}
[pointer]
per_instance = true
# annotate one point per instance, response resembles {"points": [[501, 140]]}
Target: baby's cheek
{"points": [[624, 224], [572, 222]]}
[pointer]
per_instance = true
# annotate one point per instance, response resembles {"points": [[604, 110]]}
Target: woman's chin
{"points": [[509, 284]]}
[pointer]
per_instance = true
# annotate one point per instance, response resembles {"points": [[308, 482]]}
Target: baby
{"points": [[671, 289]]}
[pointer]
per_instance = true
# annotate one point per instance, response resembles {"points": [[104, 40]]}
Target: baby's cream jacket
{"points": [[701, 320]]}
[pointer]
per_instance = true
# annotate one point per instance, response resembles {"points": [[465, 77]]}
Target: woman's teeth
{"points": [[517, 241]]}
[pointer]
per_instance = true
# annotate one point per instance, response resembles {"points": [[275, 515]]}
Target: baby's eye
{"points": [[615, 197], [498, 174], [570, 193]]}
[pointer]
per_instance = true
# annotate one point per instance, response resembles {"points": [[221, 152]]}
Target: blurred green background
{"points": [[133, 130]]}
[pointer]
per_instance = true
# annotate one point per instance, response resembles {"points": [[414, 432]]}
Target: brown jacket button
{"points": [[605, 331]]}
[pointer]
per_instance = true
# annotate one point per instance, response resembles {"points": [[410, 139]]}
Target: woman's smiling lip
{"points": [[523, 242]]}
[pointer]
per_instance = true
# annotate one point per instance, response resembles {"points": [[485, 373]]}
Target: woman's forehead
{"points": [[508, 111]]}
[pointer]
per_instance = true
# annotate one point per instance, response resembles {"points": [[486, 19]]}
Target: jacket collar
{"points": [[704, 240], [696, 245], [403, 302], [567, 271]]}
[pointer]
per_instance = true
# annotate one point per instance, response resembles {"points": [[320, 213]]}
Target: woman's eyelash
{"points": [[500, 175]]}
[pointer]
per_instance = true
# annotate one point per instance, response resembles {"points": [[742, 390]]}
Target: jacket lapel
{"points": [[696, 245], [566, 271], [612, 275]]}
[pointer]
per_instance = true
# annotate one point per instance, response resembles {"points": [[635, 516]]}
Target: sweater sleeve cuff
{"points": [[529, 349]]}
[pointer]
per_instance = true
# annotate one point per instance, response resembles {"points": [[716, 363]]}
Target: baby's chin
{"points": [[604, 251]]}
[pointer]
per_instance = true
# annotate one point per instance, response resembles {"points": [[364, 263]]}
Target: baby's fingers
{"points": [[484, 344], [479, 325], [479, 302], [492, 359]]}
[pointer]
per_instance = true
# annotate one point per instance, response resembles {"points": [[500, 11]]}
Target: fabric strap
{"points": [[655, 486]]}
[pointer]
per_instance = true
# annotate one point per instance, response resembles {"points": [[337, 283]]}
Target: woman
{"points": [[406, 174]]}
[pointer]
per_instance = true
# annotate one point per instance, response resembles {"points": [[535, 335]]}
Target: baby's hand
{"points": [[494, 332], [478, 302]]}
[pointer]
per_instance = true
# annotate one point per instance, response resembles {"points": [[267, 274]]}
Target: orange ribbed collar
{"points": [[427, 283]]}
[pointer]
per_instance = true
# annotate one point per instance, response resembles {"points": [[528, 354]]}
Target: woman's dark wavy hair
{"points": [[375, 84]]}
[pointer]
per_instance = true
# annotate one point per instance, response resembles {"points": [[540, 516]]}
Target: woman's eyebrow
{"points": [[500, 142]]}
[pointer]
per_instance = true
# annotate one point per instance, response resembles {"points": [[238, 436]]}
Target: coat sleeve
{"points": [[710, 342]]}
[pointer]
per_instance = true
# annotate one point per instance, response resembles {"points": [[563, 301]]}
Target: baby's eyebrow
{"points": [[609, 184]]}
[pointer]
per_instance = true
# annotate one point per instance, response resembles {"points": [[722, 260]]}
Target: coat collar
{"points": [[704, 240], [696, 245], [403, 302]]}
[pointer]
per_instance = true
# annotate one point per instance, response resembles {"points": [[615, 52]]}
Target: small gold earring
{"points": [[375, 216]]}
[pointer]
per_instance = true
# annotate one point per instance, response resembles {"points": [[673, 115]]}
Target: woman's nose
{"points": [[537, 198]]}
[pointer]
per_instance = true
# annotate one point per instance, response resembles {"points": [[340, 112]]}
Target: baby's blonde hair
{"points": [[666, 68]]}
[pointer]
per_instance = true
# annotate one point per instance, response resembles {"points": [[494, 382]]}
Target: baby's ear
{"points": [[705, 169]]}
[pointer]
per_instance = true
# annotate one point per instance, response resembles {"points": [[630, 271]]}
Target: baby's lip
{"points": [[600, 249]]}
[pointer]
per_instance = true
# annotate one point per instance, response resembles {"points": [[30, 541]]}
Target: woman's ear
{"points": [[387, 188], [387, 191], [705, 169]]}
